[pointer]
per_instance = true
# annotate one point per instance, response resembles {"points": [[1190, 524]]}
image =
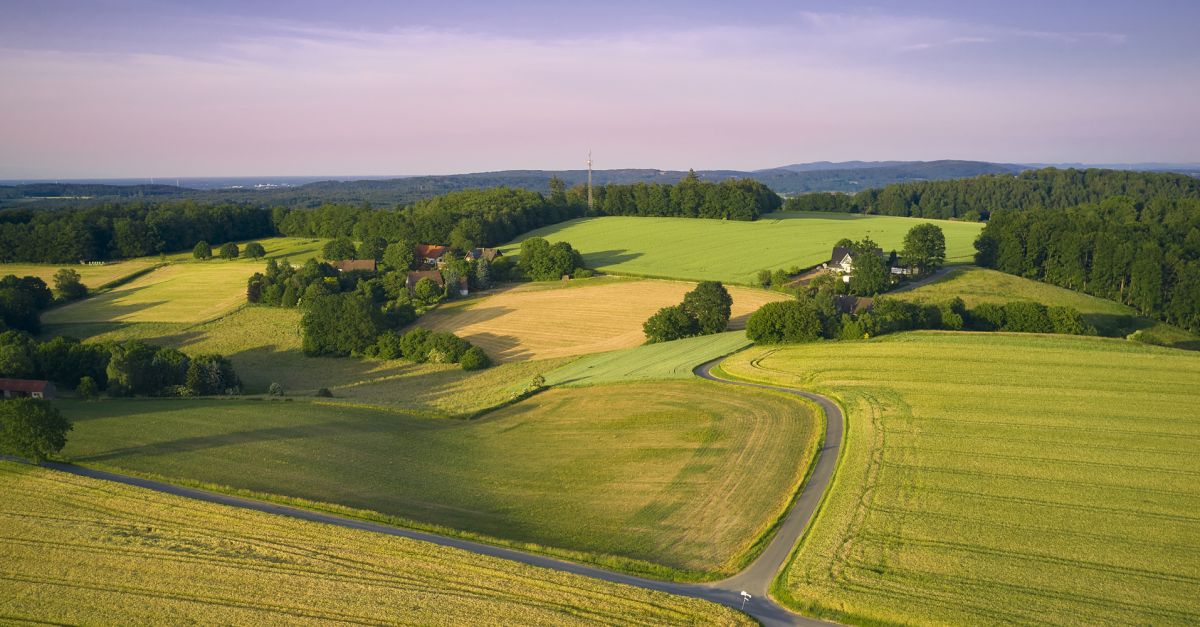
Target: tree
{"points": [[868, 275], [711, 305], [427, 291], [86, 390], [202, 251], [289, 298], [483, 274], [35, 287], [925, 248], [67, 282], [475, 359], [669, 324], [1066, 320], [1027, 317], [211, 375], [788, 321], [15, 362], [763, 277], [339, 325], [33, 429], [254, 250], [19, 311], [228, 251], [371, 248], [779, 279], [339, 249], [987, 317], [399, 256], [845, 242]]}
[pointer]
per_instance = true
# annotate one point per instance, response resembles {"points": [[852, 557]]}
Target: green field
{"points": [[82, 551], [980, 285], [730, 251], [653, 472], [999, 479], [668, 360], [295, 249], [91, 276]]}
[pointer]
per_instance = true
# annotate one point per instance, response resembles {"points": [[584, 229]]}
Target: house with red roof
{"points": [[24, 388]]}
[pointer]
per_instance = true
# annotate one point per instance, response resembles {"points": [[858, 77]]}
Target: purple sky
{"points": [[164, 89]]}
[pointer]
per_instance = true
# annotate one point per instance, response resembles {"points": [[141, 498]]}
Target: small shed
{"points": [[25, 388], [463, 287]]}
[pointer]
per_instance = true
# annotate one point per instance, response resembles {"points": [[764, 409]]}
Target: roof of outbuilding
{"points": [[417, 275], [354, 264], [23, 385]]}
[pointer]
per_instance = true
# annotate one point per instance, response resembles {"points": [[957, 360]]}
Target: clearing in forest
{"points": [[682, 477], [83, 551], [1001, 479], [187, 292], [521, 325], [731, 251]]}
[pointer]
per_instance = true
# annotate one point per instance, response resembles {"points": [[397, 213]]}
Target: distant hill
{"points": [[829, 165], [858, 179], [59, 190]]}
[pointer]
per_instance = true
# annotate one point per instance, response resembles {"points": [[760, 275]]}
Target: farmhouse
{"points": [[843, 257], [23, 388], [491, 254], [354, 264], [430, 256], [415, 277]]}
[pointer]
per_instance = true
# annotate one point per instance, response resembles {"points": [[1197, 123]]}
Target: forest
{"points": [[1143, 254], [978, 197]]}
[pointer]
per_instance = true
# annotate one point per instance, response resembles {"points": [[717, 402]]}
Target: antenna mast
{"points": [[589, 180]]}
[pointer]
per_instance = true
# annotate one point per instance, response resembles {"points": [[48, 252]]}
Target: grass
{"points": [[176, 293], [686, 475], [91, 276], [668, 360], [980, 285], [998, 479], [295, 249], [733, 252], [83, 551], [521, 325]]}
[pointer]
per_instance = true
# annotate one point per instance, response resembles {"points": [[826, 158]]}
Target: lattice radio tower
{"points": [[589, 180]]}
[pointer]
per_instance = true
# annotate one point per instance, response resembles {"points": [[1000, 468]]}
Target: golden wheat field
{"points": [[91, 276], [1001, 479], [79, 551], [520, 325]]}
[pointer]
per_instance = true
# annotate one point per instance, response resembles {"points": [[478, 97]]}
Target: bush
{"points": [[228, 251], [1066, 320], [475, 359], [987, 317], [1144, 338], [324, 393], [202, 251], [763, 277], [788, 321], [275, 390], [1027, 317], [583, 273], [86, 390]]}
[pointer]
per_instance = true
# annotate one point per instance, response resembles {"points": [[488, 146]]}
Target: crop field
{"points": [[980, 285], [83, 551], [686, 475], [730, 251], [192, 292], [523, 325], [668, 360], [997, 479], [295, 249], [91, 276]]}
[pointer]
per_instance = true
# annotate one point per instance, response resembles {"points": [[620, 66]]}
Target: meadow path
{"points": [[755, 580]]}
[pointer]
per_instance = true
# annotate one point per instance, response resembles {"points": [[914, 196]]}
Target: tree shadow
{"points": [[609, 257]]}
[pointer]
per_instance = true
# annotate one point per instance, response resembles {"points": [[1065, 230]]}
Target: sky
{"points": [[107, 89]]}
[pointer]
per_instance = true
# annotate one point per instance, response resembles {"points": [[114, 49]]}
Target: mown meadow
{"points": [[666, 360], [999, 479], [658, 475], [731, 251], [83, 551]]}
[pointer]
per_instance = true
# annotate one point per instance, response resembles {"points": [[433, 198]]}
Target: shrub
{"points": [[475, 359], [987, 317], [1027, 317], [324, 393], [584, 273], [86, 390], [275, 390], [951, 321], [1144, 338], [763, 277], [1066, 320]]}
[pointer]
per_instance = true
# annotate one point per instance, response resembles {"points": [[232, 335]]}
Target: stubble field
{"points": [[91, 276], [996, 479], [730, 251], [686, 475], [519, 325], [667, 360], [82, 551]]}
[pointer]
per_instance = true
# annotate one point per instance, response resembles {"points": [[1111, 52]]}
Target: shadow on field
{"points": [[191, 445], [500, 347], [609, 257]]}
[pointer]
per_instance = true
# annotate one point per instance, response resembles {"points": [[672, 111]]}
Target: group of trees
{"points": [[229, 251], [744, 199], [971, 198], [542, 261], [22, 301], [118, 231], [423, 346], [1142, 254], [812, 316], [704, 311], [123, 369]]}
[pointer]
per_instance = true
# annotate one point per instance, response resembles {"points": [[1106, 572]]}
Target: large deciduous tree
{"points": [[339, 325], [711, 305], [869, 275], [68, 283], [32, 429], [925, 248], [339, 249], [669, 324]]}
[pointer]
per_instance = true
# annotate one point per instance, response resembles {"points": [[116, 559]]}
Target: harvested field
{"points": [[80, 551], [190, 292], [658, 472], [1001, 479], [667, 360], [545, 324]]}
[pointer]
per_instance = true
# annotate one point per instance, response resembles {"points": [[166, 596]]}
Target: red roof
{"points": [[23, 385], [426, 251], [354, 264]]}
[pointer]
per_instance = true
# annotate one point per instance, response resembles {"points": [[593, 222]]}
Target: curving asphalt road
{"points": [[755, 580]]}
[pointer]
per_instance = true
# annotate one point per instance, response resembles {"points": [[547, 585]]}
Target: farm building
{"points": [[24, 388], [843, 257], [491, 254], [430, 256], [415, 277], [463, 288], [354, 264]]}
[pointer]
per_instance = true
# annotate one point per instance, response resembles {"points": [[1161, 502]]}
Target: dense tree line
{"points": [[971, 198], [131, 368], [1143, 254], [743, 199], [121, 231]]}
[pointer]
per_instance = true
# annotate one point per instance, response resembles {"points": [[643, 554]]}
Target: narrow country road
{"points": [[755, 580]]}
